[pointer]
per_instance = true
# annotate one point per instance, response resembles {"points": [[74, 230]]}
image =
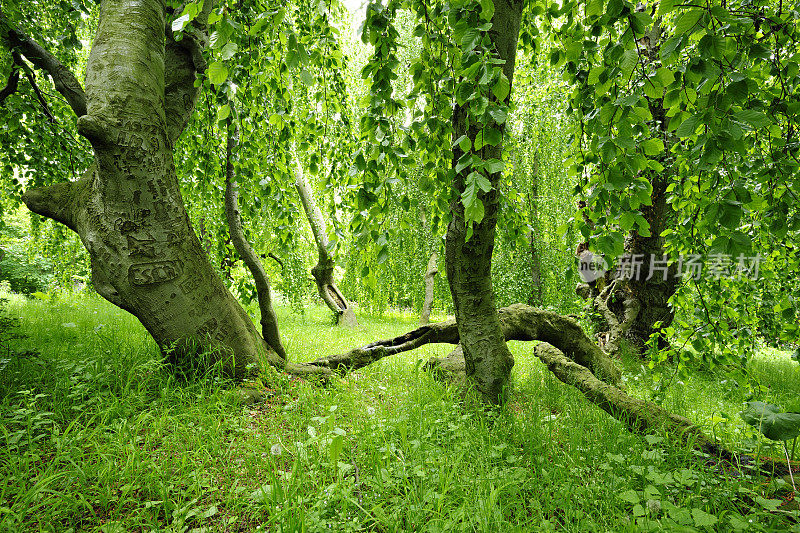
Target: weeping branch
{"points": [[323, 271], [31, 77], [269, 322], [638, 415], [64, 80]]}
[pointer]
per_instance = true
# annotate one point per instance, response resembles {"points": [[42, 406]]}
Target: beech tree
{"points": [[147, 65]]}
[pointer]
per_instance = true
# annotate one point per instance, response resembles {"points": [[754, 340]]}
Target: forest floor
{"points": [[96, 435]]}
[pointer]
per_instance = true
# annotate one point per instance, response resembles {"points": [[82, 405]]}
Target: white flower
{"points": [[276, 449], [370, 411]]}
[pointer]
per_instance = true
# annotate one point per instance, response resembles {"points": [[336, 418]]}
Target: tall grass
{"points": [[96, 435]]}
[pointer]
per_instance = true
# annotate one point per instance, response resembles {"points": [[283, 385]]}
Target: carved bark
{"points": [[430, 278], [323, 271], [468, 262], [128, 208]]}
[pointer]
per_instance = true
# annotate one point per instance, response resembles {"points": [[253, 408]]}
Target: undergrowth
{"points": [[96, 435]]}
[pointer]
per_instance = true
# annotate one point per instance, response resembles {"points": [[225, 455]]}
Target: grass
{"points": [[95, 435]]}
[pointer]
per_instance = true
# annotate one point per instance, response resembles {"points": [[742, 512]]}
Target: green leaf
{"points": [[688, 126], [653, 146], [770, 421], [464, 143], [628, 61], [475, 211], [307, 78], [687, 23], [492, 136], [594, 8], [383, 255], [470, 39], [337, 443], [487, 9], [756, 119], [629, 496], [223, 113], [702, 518], [501, 88], [228, 51], [498, 114], [217, 73], [665, 6], [493, 166]]}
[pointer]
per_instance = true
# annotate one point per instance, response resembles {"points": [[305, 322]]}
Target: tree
{"points": [[323, 271], [127, 208]]}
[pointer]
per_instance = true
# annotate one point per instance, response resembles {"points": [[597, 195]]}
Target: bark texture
{"points": [[323, 271], [468, 262], [430, 278], [127, 208]]}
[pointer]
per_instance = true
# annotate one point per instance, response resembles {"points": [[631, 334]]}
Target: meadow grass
{"points": [[97, 435]]}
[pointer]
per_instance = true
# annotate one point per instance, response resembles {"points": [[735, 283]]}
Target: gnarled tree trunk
{"points": [[636, 307], [127, 208], [323, 271], [468, 262]]}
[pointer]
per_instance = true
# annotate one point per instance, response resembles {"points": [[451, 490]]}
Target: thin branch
{"points": [[31, 77], [65, 81]]}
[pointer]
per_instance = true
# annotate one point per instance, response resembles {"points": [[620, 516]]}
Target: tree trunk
{"points": [[127, 208], [323, 271], [269, 322], [468, 262], [634, 309], [536, 261], [430, 278]]}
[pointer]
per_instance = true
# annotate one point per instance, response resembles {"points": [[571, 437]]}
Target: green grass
{"points": [[95, 435]]}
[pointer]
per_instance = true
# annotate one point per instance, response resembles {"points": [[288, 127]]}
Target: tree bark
{"points": [[468, 262], [323, 271], [269, 322], [634, 309], [127, 208], [430, 277]]}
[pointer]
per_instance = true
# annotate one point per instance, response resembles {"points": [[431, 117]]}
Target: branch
{"points": [[30, 76], [269, 322], [61, 201], [518, 322], [640, 416], [11, 86], [65, 81], [183, 60]]}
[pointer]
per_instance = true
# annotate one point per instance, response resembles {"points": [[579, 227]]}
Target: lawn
{"points": [[97, 435]]}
